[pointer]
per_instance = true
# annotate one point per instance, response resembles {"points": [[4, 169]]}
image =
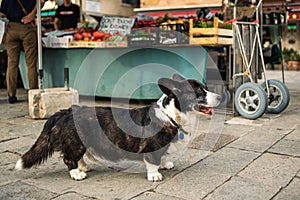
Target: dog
{"points": [[150, 133]]}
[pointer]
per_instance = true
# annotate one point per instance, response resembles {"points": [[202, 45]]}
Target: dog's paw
{"points": [[77, 175], [168, 165], [154, 176]]}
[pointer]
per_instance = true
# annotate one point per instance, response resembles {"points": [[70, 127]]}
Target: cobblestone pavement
{"points": [[253, 160]]}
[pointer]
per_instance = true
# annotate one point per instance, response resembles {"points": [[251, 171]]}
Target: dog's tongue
{"points": [[208, 111]]}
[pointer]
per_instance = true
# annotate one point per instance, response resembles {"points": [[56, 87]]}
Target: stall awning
{"points": [[176, 13], [294, 13], [292, 10], [182, 11], [294, 16]]}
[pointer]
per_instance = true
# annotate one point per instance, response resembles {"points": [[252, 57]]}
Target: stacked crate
{"points": [[210, 36]]}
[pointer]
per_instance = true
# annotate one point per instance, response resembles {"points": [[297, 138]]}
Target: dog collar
{"points": [[182, 132], [173, 122], [181, 136]]}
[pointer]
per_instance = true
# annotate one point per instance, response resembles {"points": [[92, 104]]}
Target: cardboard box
{"points": [[60, 42], [57, 42]]}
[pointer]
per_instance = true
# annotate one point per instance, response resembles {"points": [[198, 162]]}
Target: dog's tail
{"points": [[43, 147]]}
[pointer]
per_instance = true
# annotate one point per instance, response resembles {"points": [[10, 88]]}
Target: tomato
{"points": [[107, 35], [86, 35], [98, 35], [78, 36]]}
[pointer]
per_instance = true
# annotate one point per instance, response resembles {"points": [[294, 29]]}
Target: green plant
{"points": [[290, 55]]}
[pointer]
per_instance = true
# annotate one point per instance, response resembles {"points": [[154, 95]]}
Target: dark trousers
{"points": [[18, 37]]}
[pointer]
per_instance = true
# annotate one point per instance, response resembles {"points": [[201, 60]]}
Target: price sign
{"points": [[116, 24]]}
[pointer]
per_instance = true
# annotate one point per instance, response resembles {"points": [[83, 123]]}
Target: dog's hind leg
{"points": [[71, 156]]}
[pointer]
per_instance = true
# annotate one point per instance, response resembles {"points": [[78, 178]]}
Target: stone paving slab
{"points": [[19, 145], [245, 122], [202, 178], [260, 139], [239, 188], [237, 130], [291, 192], [287, 147], [260, 180], [72, 196], [20, 190], [154, 195], [212, 142], [275, 172], [9, 174], [295, 135], [19, 127]]}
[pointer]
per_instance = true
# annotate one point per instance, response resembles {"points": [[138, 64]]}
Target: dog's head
{"points": [[188, 95]]}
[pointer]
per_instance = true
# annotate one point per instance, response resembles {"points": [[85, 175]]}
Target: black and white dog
{"points": [[150, 134]]}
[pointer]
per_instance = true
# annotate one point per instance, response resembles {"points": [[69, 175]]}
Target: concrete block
{"points": [[44, 104]]}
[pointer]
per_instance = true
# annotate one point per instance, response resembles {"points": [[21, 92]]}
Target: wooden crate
{"points": [[94, 44], [111, 44], [77, 44], [210, 36]]}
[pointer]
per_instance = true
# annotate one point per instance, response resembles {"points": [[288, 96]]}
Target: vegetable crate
{"points": [[210, 36]]}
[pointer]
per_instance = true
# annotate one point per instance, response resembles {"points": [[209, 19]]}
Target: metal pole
{"points": [[39, 39]]}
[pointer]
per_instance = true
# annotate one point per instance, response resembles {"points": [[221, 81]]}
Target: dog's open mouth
{"points": [[206, 110]]}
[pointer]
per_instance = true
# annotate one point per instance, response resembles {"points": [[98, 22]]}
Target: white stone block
{"points": [[44, 104]]}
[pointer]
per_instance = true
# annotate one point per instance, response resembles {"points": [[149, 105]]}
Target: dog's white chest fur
{"points": [[176, 149]]}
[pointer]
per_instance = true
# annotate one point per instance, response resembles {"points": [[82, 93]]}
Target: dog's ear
{"points": [[178, 77], [168, 86]]}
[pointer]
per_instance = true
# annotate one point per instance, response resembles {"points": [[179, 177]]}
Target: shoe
{"points": [[12, 99]]}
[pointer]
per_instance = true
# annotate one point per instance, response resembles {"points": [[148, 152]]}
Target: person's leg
{"points": [[30, 50], [13, 46]]}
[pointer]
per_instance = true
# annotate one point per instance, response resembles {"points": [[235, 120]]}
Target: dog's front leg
{"points": [[152, 172], [152, 161]]}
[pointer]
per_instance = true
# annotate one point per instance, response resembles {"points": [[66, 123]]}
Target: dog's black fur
{"points": [[77, 129]]}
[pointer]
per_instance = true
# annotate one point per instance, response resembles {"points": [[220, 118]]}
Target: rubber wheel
{"points": [[250, 100], [279, 97]]}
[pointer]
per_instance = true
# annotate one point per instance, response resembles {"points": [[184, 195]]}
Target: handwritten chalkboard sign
{"points": [[116, 24]]}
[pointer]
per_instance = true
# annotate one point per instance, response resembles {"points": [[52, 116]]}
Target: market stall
{"points": [[117, 61], [121, 72]]}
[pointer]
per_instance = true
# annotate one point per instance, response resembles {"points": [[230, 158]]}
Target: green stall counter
{"points": [[119, 72]]}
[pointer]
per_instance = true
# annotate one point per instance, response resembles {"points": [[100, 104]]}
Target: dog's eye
{"points": [[200, 92]]}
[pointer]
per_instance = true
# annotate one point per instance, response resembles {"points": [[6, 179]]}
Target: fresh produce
{"points": [[97, 36], [78, 36]]}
